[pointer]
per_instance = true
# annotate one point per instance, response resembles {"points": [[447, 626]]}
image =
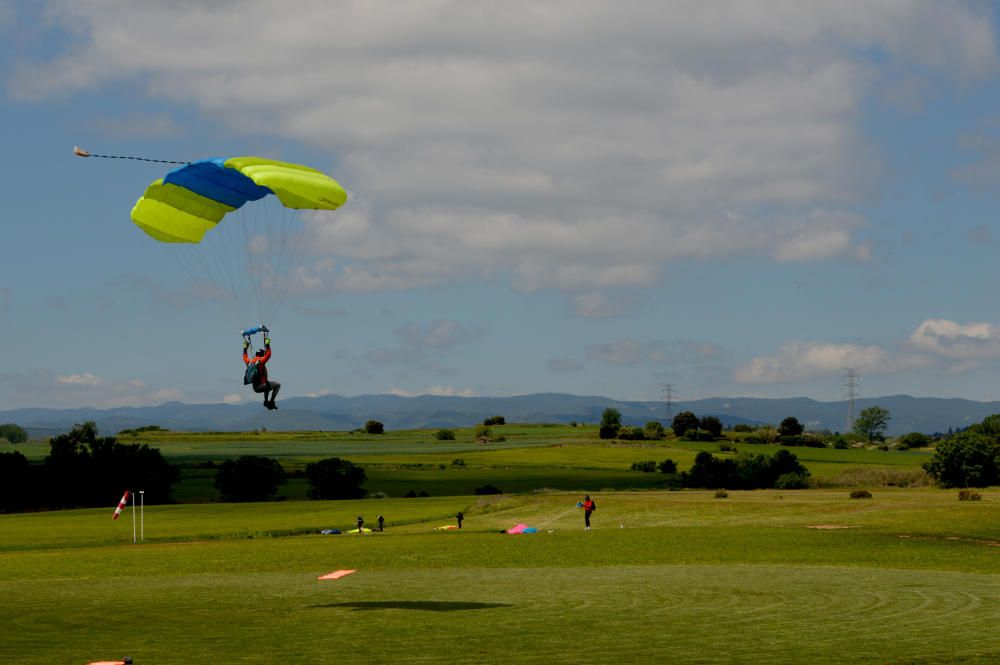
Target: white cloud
{"points": [[233, 398], [86, 379], [45, 388], [957, 341], [629, 352], [580, 148], [797, 360], [447, 391]]}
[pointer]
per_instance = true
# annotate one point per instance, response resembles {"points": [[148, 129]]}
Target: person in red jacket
{"points": [[260, 381], [589, 506]]}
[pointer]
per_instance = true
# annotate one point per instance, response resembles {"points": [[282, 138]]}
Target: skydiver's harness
{"points": [[250, 375]]}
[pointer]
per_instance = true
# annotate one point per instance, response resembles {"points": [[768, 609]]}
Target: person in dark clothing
{"points": [[459, 517], [260, 381], [589, 506], [381, 521], [361, 523]]}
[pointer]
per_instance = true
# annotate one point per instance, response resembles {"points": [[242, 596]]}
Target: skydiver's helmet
{"points": [[260, 352]]}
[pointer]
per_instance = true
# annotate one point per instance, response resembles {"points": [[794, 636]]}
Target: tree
{"points": [[14, 481], [495, 420], [374, 427], [872, 423], [967, 459], [791, 426], [611, 422], [335, 478], [684, 421], [712, 425], [13, 433], [249, 478], [445, 435], [83, 469]]}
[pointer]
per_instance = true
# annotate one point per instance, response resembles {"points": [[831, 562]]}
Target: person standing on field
{"points": [[589, 506], [459, 516], [361, 523], [381, 521]]}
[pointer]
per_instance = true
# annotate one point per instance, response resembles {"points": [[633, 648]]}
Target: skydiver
{"points": [[260, 382], [589, 506]]}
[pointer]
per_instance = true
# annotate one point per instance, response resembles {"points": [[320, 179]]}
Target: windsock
{"points": [[121, 506]]}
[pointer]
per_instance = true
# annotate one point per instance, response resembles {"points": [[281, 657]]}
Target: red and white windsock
{"points": [[121, 506]]}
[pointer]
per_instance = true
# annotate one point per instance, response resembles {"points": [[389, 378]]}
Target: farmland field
{"points": [[807, 576]]}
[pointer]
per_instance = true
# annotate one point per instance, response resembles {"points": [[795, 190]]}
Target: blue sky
{"points": [[737, 199]]}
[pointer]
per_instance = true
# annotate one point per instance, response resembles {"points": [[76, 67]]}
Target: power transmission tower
{"points": [[851, 389], [668, 398]]}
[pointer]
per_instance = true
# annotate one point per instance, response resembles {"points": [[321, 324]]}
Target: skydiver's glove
{"points": [[246, 344], [267, 341]]}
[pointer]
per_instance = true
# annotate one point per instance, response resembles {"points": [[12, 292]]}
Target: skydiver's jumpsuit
{"points": [[260, 382]]}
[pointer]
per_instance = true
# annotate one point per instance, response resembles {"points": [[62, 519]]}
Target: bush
{"points": [[423, 494], [791, 481], [654, 430], [721, 494], [488, 489], [969, 495], [374, 427], [458, 462], [410, 495], [841, 443], [632, 434], [667, 466], [335, 478], [648, 466], [483, 432], [861, 494], [249, 478], [726, 447], [495, 420], [746, 471], [445, 435], [913, 440], [13, 433], [743, 428]]}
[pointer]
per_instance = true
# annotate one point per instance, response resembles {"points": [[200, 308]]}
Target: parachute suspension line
{"points": [[80, 152]]}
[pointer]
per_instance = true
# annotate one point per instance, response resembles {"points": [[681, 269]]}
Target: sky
{"points": [[731, 198]]}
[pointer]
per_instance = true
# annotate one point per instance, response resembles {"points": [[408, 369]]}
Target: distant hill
{"points": [[332, 412]]}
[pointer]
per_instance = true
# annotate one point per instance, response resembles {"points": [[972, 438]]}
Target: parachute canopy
{"points": [[189, 201]]}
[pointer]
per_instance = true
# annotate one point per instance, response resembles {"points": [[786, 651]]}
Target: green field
{"points": [[809, 576]]}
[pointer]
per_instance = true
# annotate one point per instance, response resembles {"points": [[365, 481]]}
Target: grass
{"points": [[777, 577], [675, 577]]}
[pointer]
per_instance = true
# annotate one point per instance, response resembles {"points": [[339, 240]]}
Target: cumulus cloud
{"points": [[45, 388], [578, 149], [797, 360], [957, 341]]}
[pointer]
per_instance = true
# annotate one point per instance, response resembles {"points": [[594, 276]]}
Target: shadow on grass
{"points": [[425, 605]]}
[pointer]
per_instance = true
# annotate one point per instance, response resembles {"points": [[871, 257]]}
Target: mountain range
{"points": [[333, 412]]}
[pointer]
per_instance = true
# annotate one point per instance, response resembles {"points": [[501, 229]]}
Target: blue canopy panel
{"points": [[212, 179]]}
